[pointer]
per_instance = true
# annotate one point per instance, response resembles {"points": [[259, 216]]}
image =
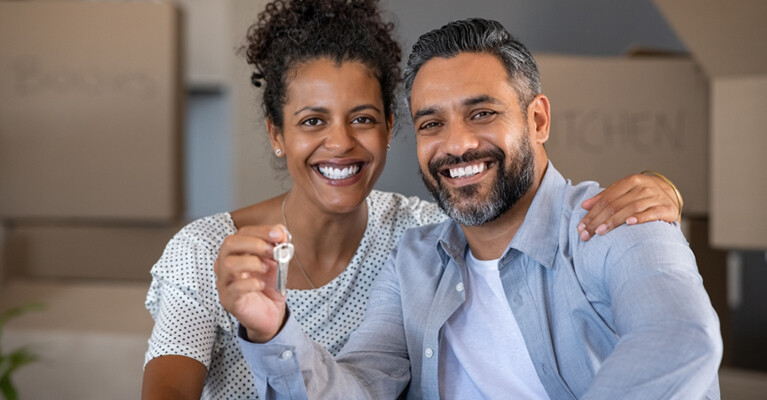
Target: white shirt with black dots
{"points": [[190, 321]]}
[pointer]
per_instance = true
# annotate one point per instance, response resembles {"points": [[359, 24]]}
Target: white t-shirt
{"points": [[483, 351], [190, 321]]}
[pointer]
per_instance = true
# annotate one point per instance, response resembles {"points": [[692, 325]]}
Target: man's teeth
{"points": [[339, 173], [468, 171]]}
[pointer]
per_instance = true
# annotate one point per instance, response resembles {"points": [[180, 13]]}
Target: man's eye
{"points": [[429, 125], [482, 114]]}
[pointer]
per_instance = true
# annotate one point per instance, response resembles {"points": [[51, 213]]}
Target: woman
{"points": [[330, 69]]}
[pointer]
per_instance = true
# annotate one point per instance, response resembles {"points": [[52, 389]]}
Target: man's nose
{"points": [[459, 140]]}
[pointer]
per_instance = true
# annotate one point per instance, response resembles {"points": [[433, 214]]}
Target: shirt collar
{"points": [[537, 237]]}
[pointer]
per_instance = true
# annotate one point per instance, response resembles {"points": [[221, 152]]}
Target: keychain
{"points": [[283, 252]]}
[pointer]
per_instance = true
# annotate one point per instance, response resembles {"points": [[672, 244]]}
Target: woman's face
{"points": [[334, 133]]}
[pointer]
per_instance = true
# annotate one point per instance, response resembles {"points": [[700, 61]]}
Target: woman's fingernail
{"points": [[585, 235], [581, 227], [631, 220], [601, 229], [274, 234]]}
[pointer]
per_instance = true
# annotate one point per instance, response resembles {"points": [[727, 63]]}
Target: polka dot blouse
{"points": [[190, 321]]}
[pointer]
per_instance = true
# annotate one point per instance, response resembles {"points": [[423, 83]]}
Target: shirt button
{"points": [[286, 354], [459, 287], [428, 352]]}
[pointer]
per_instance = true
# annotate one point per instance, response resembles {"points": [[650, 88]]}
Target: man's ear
{"points": [[275, 137], [539, 118]]}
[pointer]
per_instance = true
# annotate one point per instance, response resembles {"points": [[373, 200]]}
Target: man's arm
{"points": [[374, 364], [670, 344]]}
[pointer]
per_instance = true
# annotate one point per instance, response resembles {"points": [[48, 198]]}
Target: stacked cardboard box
{"points": [[726, 38], [90, 154], [614, 116]]}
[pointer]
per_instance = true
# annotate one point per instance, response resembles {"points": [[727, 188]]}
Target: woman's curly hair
{"points": [[293, 31]]}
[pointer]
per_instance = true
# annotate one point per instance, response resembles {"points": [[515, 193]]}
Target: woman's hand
{"points": [[635, 199], [245, 278]]}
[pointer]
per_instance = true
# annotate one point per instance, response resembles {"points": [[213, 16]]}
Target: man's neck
{"points": [[489, 241]]}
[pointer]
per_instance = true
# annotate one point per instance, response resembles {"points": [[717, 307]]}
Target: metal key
{"points": [[283, 252]]}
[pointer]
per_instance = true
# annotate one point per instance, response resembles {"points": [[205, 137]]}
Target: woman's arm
{"points": [[635, 199], [173, 377]]}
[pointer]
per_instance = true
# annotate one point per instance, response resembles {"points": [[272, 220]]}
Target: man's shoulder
{"points": [[576, 194], [419, 242]]}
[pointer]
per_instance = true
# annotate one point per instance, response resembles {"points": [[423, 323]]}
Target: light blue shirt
{"points": [[622, 316]]}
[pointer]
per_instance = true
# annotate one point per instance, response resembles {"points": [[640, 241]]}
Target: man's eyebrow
{"points": [[424, 112], [472, 101], [321, 110]]}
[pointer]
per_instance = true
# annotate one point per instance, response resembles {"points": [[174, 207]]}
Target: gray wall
{"points": [[585, 27]]}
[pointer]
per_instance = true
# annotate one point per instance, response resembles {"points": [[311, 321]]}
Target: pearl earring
{"points": [[278, 152]]}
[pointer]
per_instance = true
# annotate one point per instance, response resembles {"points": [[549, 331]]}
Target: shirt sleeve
{"points": [[670, 346], [182, 286], [372, 365]]}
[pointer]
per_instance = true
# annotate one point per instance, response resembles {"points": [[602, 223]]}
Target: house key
{"points": [[283, 252]]}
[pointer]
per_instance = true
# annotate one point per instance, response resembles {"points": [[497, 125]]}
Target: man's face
{"points": [[474, 144]]}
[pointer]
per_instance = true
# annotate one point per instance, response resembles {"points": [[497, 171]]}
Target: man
{"points": [[503, 300]]}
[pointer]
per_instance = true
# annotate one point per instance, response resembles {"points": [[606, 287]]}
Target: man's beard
{"points": [[511, 183]]}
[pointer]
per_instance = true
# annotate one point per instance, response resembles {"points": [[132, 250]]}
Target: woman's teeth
{"points": [[339, 173], [468, 171]]}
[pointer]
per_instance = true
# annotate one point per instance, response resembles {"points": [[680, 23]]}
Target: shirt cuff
{"points": [[277, 357]]}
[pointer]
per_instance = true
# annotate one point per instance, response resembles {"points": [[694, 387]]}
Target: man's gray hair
{"points": [[477, 35]]}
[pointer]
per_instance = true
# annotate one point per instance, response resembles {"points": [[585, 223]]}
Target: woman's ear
{"points": [[539, 118], [275, 137]]}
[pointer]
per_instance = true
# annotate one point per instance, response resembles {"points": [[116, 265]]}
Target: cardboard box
{"points": [[727, 40], [3, 235], [90, 106], [84, 251], [614, 116]]}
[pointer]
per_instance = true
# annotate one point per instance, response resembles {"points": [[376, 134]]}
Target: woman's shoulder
{"points": [[213, 228], [410, 211], [188, 258]]}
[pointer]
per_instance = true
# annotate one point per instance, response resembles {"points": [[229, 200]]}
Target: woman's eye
{"points": [[311, 122], [363, 120]]}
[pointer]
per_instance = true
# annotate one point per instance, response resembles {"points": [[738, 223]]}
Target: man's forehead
{"points": [[458, 80], [462, 64]]}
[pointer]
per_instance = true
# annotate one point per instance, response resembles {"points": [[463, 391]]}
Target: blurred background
{"points": [[120, 121]]}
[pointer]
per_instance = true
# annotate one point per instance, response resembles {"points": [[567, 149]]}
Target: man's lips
{"points": [[466, 170]]}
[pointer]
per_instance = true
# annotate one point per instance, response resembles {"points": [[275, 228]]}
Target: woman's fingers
{"points": [[634, 199], [236, 267]]}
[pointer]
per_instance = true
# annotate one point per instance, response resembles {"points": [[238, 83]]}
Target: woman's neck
{"points": [[324, 241]]}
